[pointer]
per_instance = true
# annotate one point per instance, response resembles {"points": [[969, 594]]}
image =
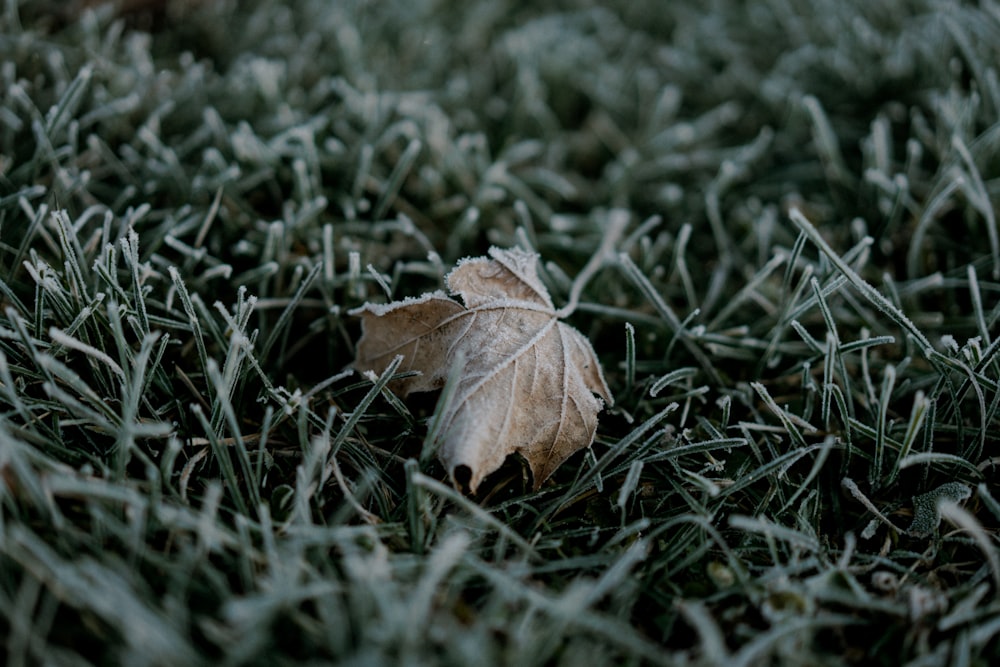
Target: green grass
{"points": [[799, 326]]}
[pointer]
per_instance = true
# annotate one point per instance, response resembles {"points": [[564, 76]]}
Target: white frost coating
{"points": [[380, 309]]}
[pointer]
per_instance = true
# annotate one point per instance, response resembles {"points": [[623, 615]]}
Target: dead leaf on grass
{"points": [[528, 381]]}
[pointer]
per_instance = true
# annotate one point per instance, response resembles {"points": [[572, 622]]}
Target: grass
{"points": [[799, 326]]}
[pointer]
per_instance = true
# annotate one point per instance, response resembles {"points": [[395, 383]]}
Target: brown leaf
{"points": [[528, 380]]}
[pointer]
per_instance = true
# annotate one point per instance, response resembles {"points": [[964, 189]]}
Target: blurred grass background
{"points": [[801, 464]]}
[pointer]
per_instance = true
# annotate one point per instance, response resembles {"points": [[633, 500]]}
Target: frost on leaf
{"points": [[927, 506], [528, 382]]}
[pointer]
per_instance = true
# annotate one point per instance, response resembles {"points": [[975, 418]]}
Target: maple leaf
{"points": [[527, 383]]}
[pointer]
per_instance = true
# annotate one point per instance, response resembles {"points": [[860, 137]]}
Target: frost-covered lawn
{"points": [[798, 325]]}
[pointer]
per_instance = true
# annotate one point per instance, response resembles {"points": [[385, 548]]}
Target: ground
{"points": [[796, 324]]}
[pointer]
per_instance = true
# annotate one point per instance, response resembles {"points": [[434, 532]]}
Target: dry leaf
{"points": [[528, 382]]}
